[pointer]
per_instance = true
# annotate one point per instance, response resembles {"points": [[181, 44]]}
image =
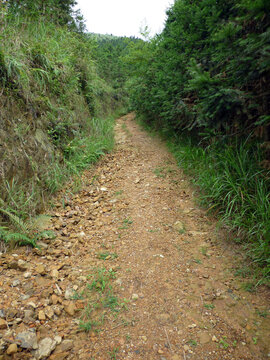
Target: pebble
{"points": [[49, 312], [70, 309], [45, 348], [214, 338], [135, 297], [54, 299], [41, 315], [204, 338], [179, 226], [27, 340], [16, 283], [64, 346], [3, 324], [12, 349], [40, 269], [55, 273], [186, 347], [27, 275], [69, 293]]}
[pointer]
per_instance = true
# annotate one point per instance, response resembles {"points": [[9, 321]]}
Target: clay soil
{"points": [[171, 289]]}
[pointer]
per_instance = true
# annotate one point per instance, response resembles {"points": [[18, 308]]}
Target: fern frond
{"points": [[16, 221]]}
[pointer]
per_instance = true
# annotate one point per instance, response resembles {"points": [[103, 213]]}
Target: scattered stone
{"points": [[186, 347], [69, 293], [40, 269], [58, 339], [204, 338], [45, 348], [31, 304], [176, 357], [55, 273], [27, 340], [49, 312], [41, 315], [27, 275], [3, 324], [214, 338], [59, 356], [135, 297], [54, 299], [70, 309], [29, 316], [57, 310], [66, 345], [22, 265], [12, 349], [179, 226], [42, 244], [16, 283], [144, 338]]}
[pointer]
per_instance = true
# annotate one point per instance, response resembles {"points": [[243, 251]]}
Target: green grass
{"points": [[107, 256], [55, 120], [101, 303], [233, 186]]}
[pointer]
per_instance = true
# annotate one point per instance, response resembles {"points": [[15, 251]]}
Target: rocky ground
{"points": [[136, 271]]}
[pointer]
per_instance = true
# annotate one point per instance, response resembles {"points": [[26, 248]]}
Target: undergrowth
{"points": [[55, 115], [233, 186]]}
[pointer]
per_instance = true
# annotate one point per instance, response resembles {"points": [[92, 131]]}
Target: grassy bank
{"points": [[234, 186], [55, 115]]}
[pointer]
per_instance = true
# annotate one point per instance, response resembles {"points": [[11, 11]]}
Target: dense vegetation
{"points": [[55, 106], [207, 76]]}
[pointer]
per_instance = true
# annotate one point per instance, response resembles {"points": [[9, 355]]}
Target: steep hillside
{"points": [[54, 110]]}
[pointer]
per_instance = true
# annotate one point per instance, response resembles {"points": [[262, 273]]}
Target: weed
{"points": [[113, 353], [197, 261], [100, 299], [262, 313], [204, 250], [244, 272], [249, 286], [192, 342], [159, 172], [117, 193], [223, 342], [209, 306], [126, 223], [255, 340], [107, 256], [88, 325]]}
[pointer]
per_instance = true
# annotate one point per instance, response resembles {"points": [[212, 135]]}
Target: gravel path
{"points": [[137, 271]]}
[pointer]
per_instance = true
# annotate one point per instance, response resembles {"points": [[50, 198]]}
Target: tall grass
{"points": [[234, 185], [55, 118]]}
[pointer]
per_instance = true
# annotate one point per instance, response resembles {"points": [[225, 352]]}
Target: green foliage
{"points": [[208, 69], [234, 185], [55, 121], [13, 238]]}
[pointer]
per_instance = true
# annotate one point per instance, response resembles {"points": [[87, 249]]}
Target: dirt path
{"points": [[160, 278]]}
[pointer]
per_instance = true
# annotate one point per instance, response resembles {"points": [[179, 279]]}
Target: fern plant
{"points": [[14, 238]]}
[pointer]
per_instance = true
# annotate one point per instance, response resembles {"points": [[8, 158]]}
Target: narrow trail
{"points": [[173, 292]]}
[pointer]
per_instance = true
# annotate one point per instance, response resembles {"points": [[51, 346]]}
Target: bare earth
{"points": [[173, 293]]}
